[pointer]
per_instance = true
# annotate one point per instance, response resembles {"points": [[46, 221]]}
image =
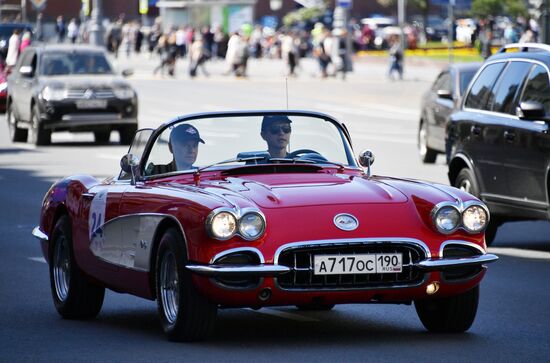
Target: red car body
{"points": [[299, 205], [3, 90]]}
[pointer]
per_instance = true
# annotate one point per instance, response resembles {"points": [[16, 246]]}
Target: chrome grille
{"points": [[98, 93], [302, 277]]}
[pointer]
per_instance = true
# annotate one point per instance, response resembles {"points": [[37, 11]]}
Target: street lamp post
{"points": [[96, 28]]}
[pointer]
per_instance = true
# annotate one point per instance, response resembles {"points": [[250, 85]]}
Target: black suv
{"points": [[498, 143], [68, 88]]}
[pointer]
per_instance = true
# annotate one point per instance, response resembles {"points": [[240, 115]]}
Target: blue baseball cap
{"points": [[185, 132]]}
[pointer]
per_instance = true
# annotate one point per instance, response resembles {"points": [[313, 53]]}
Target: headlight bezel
{"points": [[237, 215], [460, 207], [50, 93]]}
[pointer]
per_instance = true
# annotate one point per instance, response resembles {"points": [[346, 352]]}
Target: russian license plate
{"points": [[91, 104], [378, 263]]}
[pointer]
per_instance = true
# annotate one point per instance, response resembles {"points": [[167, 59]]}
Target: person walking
{"points": [[60, 29], [289, 52], [198, 55], [72, 31], [13, 50], [396, 57], [25, 41]]}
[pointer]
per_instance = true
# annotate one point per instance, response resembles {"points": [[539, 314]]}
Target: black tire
{"points": [[127, 134], [184, 313], [74, 296], [466, 181], [102, 137], [427, 154], [315, 307], [38, 135], [16, 134], [453, 314]]}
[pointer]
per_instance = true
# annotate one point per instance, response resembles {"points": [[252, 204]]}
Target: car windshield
{"points": [[227, 141], [63, 63]]}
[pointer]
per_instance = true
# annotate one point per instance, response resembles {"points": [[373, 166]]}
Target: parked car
{"points": [[200, 216], [68, 88], [6, 31], [442, 99], [499, 145]]}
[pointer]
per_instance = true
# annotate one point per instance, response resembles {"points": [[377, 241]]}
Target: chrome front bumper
{"points": [[264, 270]]}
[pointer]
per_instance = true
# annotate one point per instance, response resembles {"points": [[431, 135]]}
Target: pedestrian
{"points": [[25, 41], [323, 52], [139, 38], [396, 57], [13, 50], [72, 31], [289, 52], [39, 28], [180, 42], [60, 29], [198, 55]]}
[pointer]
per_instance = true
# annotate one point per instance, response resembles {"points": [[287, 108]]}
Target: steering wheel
{"points": [[304, 152]]}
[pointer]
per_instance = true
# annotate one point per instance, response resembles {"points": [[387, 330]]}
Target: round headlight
{"points": [[223, 225], [475, 219], [251, 225], [447, 219]]}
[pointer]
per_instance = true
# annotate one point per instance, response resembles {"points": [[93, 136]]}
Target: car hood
{"points": [[84, 81], [300, 190]]}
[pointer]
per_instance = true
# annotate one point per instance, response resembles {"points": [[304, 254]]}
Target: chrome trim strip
{"points": [[352, 241], [445, 263], [325, 289], [236, 250], [460, 243], [526, 202], [37, 232], [223, 270]]}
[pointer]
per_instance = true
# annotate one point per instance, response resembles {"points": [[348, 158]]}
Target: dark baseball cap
{"points": [[185, 132], [268, 120]]}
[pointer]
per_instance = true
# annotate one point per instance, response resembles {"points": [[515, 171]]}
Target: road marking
{"points": [[37, 259], [516, 252], [284, 314]]}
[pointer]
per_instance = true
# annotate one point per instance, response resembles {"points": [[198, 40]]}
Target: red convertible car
{"points": [[260, 208]]}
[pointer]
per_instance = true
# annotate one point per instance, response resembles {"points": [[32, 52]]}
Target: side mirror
{"points": [[26, 71], [127, 72], [130, 164], [531, 110], [366, 159], [445, 94]]}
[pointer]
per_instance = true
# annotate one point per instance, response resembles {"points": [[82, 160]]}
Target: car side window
{"points": [[137, 148], [537, 87], [510, 81], [442, 82], [481, 89], [26, 59]]}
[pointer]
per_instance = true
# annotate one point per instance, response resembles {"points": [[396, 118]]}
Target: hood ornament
{"points": [[346, 222]]}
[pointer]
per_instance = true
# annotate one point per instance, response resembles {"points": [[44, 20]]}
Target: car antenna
{"points": [[286, 87]]}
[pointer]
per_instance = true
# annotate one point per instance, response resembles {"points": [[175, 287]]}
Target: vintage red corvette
{"points": [[260, 208]]}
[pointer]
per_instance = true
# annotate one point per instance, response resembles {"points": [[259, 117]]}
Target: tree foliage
{"points": [[486, 8]]}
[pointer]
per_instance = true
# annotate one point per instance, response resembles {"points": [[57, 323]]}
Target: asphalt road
{"points": [[513, 321]]}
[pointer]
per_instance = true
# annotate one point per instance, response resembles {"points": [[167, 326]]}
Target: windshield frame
{"points": [[346, 139]]}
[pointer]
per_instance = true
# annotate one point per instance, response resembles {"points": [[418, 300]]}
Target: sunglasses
{"points": [[274, 130]]}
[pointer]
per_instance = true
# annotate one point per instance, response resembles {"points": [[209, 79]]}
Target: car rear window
{"points": [[508, 85], [537, 87], [483, 85]]}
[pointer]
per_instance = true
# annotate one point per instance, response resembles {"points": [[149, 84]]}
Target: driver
{"points": [[276, 132], [184, 146]]}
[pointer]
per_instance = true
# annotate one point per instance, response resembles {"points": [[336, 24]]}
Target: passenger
{"points": [[184, 146], [276, 132]]}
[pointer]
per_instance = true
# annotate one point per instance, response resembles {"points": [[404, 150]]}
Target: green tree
{"points": [[486, 8], [422, 5]]}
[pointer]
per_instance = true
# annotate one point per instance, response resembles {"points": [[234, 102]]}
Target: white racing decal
{"points": [[96, 218]]}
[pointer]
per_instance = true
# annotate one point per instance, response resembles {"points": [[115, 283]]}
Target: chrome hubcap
{"points": [[169, 293], [61, 267], [466, 186], [422, 144]]}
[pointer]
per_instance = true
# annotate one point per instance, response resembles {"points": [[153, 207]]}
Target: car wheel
{"points": [[466, 181], [315, 307], [427, 155], [453, 314], [74, 296], [184, 313], [38, 134], [16, 134], [102, 137], [127, 134]]}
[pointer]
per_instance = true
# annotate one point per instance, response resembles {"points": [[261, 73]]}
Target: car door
{"points": [[528, 147], [442, 108], [14, 86], [25, 85], [475, 132], [497, 124]]}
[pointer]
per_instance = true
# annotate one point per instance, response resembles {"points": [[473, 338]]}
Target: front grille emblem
{"points": [[346, 222], [89, 94]]}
